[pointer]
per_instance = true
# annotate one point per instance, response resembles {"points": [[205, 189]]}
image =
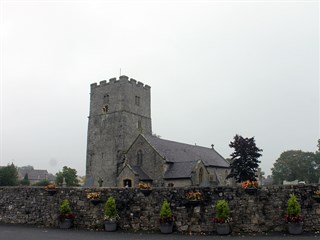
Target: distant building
{"points": [[121, 150], [35, 175]]}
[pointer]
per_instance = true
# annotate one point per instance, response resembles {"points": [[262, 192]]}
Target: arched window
{"points": [[200, 175], [139, 158]]}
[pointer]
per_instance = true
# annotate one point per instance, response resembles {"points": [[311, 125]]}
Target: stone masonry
{"points": [[119, 111], [261, 212]]}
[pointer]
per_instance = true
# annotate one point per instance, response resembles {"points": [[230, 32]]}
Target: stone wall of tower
{"points": [[119, 111]]}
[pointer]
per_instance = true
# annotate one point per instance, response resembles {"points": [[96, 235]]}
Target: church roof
{"points": [[141, 174], [181, 153], [36, 174], [180, 170]]}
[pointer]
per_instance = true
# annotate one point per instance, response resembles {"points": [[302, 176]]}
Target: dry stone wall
{"points": [[260, 212]]}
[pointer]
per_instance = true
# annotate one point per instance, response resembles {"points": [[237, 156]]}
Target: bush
{"points": [[293, 210], [222, 211], [110, 209], [65, 210], [166, 213], [41, 183]]}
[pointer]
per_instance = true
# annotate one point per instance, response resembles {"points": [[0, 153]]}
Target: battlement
{"points": [[122, 79]]}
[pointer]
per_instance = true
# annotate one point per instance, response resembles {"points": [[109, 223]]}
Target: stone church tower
{"points": [[119, 111]]}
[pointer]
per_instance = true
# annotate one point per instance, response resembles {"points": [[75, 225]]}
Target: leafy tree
{"points": [[9, 176], [296, 165], [244, 159], [70, 176], [25, 181]]}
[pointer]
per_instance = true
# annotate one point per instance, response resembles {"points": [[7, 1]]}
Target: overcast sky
{"points": [[216, 69]]}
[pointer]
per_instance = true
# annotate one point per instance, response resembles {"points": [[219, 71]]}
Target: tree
{"points": [[70, 176], [25, 181], [9, 176], [244, 159], [296, 165]]}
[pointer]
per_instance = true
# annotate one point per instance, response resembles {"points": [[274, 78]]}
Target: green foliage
{"points": [[70, 176], [165, 213], [41, 183], [25, 181], [244, 159], [65, 208], [110, 209], [294, 208], [297, 165], [9, 176], [222, 210]]}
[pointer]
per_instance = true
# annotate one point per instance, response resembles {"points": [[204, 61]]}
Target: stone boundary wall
{"points": [[261, 212]]}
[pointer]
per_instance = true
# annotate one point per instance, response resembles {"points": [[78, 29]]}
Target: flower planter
{"points": [[295, 228], [110, 226], [223, 228], [166, 227], [66, 223], [251, 191], [146, 192]]}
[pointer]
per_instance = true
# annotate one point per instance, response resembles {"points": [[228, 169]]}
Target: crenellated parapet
{"points": [[122, 80]]}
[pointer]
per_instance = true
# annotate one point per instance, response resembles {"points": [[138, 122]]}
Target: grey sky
{"points": [[216, 69]]}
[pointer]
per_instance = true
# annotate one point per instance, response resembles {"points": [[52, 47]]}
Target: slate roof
{"points": [[35, 174], [180, 170], [185, 153], [142, 175]]}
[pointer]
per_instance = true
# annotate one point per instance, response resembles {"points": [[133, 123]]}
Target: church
{"points": [[122, 151]]}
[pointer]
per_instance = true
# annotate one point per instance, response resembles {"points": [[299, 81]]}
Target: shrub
{"points": [[110, 209], [222, 211], [293, 210], [166, 213], [65, 210]]}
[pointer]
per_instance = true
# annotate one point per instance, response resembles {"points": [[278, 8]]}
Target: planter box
{"points": [[110, 226], [295, 228], [223, 228], [166, 227]]}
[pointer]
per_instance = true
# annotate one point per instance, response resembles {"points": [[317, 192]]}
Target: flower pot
{"points": [[295, 228], [110, 226], [66, 223], [251, 191], [223, 228], [166, 227]]}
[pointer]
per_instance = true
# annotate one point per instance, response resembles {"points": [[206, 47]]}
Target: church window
{"points": [[137, 101], [139, 124], [139, 158], [200, 175]]}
